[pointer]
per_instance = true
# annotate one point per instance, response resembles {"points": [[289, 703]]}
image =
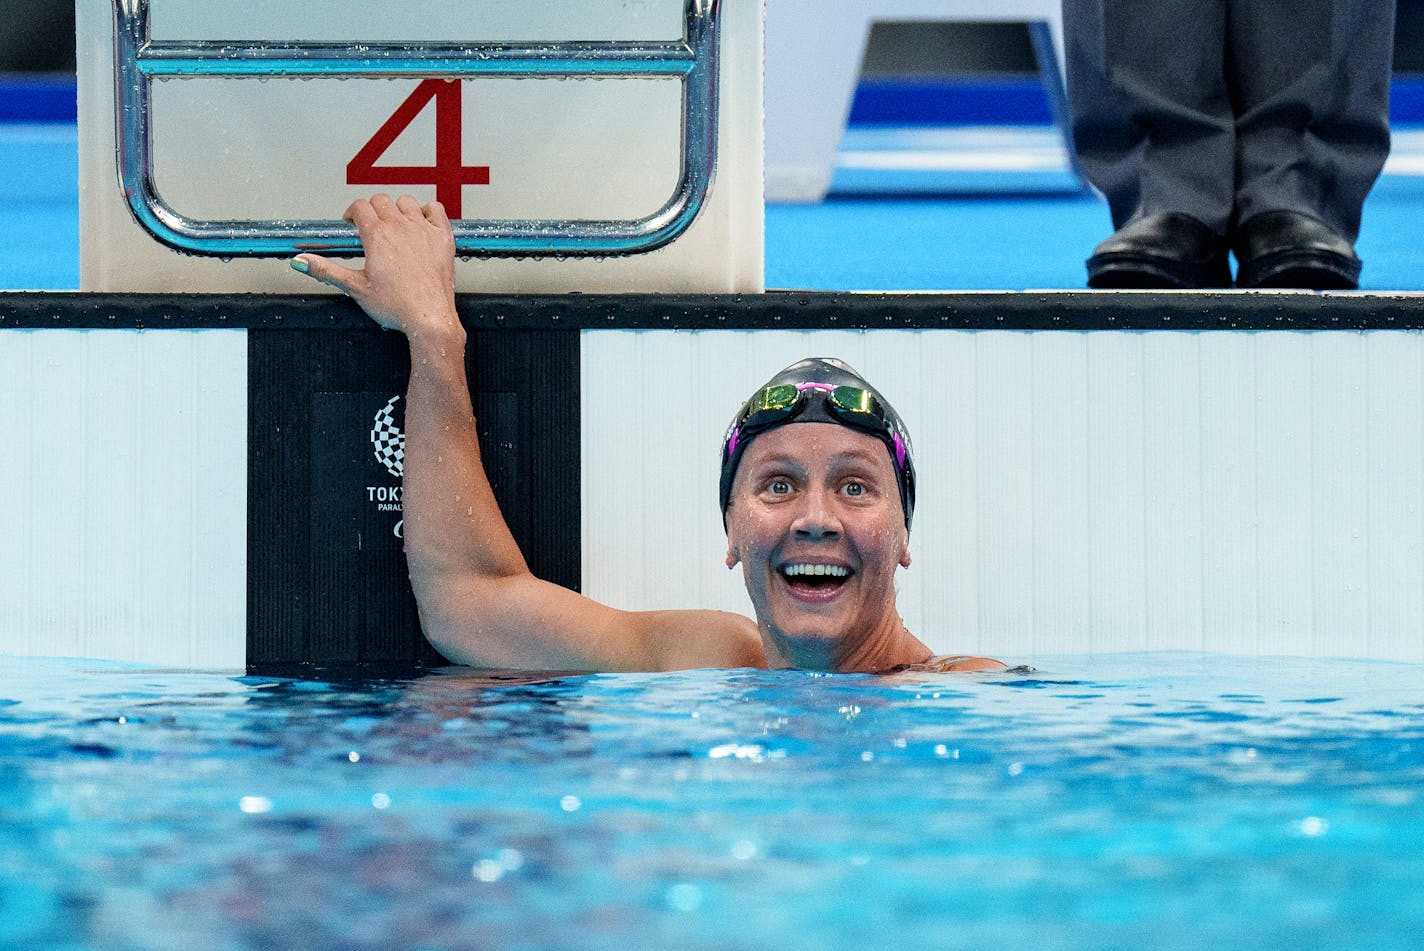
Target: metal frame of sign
{"points": [[139, 61]]}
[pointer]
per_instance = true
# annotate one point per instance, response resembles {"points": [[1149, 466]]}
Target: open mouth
{"points": [[815, 580]]}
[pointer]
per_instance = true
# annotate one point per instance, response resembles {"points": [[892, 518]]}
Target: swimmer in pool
{"points": [[817, 493]]}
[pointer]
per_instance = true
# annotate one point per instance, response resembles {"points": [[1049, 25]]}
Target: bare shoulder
{"points": [[683, 640]]}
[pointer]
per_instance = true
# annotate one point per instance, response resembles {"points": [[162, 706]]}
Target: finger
{"points": [[435, 214], [409, 207], [359, 212], [348, 280], [385, 206]]}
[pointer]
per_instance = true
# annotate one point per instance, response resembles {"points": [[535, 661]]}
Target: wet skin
{"points": [[807, 494], [823, 495]]}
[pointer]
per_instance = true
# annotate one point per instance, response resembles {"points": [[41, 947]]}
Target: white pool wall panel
{"points": [[1252, 493], [1395, 543], [129, 491], [1256, 493]]}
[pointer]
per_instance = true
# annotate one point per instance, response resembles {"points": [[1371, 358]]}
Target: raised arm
{"points": [[478, 602]]}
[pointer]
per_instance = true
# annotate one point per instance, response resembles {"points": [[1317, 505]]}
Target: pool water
{"points": [[1128, 801]]}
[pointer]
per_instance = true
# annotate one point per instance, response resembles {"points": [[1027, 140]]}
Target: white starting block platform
{"points": [[814, 50], [580, 145]]}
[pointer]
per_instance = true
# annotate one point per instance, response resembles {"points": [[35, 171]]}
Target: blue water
{"points": [[1165, 801]]}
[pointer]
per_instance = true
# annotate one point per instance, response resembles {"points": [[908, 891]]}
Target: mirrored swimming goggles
{"points": [[849, 405]]}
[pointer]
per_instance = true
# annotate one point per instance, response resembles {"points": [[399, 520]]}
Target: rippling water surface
{"points": [[1133, 801]]}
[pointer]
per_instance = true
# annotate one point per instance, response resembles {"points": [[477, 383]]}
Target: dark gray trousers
{"points": [[1223, 109]]}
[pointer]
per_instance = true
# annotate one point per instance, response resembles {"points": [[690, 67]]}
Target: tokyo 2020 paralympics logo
{"points": [[388, 440]]}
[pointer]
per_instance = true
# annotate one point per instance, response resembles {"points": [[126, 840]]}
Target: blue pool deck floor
{"points": [[913, 208]]}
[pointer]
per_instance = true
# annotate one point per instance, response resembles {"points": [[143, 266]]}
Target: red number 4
{"points": [[447, 174]]}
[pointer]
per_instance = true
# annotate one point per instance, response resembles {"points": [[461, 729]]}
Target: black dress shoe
{"points": [[1291, 249], [1169, 250]]}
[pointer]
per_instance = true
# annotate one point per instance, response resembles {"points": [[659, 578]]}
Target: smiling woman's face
{"points": [[817, 526]]}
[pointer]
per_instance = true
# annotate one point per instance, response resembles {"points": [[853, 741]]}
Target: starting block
{"points": [[578, 145]]}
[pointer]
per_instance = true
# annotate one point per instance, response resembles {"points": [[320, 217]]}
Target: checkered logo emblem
{"points": [[388, 440]]}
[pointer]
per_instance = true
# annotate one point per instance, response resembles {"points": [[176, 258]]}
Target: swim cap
{"points": [[820, 390]]}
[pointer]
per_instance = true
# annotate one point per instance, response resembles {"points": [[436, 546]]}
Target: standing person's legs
{"points": [[1155, 132], [1310, 81]]}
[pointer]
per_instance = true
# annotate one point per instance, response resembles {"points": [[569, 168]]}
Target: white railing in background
{"points": [[814, 50]]}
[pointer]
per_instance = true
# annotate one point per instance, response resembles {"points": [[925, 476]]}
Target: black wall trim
{"points": [[781, 310], [326, 576]]}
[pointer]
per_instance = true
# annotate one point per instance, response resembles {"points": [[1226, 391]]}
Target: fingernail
{"points": [[300, 266]]}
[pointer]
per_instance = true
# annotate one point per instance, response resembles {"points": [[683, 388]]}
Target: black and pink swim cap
{"points": [[820, 390]]}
